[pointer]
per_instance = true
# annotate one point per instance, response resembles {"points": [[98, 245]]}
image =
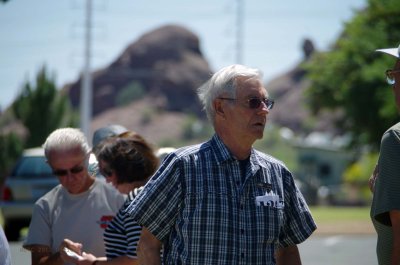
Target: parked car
{"points": [[29, 180]]}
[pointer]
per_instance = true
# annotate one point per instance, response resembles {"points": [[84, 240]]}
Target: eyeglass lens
{"points": [[389, 77], [64, 172], [254, 103]]}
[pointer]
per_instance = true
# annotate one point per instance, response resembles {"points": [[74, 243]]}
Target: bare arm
{"points": [[148, 248], [41, 255], [121, 260], [395, 219], [288, 256], [88, 259]]}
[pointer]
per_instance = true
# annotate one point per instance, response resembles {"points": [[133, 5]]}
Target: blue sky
{"points": [[51, 32]]}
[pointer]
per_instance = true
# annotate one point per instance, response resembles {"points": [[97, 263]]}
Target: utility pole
{"points": [[86, 85], [239, 31]]}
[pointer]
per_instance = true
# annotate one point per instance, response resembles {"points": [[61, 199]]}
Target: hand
{"points": [[71, 246], [372, 179], [74, 246], [87, 259]]}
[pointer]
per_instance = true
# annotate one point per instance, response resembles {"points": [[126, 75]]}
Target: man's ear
{"points": [[218, 106]]}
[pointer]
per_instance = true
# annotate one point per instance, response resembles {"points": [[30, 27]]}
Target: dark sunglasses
{"points": [[64, 172], [255, 103]]}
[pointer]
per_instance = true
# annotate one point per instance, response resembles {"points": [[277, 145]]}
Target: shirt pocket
{"points": [[269, 223]]}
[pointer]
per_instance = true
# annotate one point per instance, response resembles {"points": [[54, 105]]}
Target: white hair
{"points": [[224, 82], [66, 139]]}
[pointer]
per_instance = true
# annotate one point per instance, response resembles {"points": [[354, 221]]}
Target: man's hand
{"points": [[288, 256], [372, 179], [70, 251]]}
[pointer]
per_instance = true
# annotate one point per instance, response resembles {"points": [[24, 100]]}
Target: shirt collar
{"points": [[222, 154]]}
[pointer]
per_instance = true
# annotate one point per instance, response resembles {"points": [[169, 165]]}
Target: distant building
{"points": [[322, 161]]}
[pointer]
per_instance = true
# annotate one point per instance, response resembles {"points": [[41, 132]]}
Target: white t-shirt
{"points": [[79, 217]]}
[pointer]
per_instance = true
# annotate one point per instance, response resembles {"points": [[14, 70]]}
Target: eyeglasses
{"points": [[73, 170], [254, 103], [390, 76]]}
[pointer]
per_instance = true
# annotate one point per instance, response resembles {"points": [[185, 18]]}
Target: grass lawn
{"points": [[342, 220], [327, 214]]}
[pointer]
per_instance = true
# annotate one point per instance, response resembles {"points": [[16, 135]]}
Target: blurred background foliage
{"points": [[355, 175], [41, 108], [351, 75]]}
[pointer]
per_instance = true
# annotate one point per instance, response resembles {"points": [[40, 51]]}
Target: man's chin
{"points": [[258, 136]]}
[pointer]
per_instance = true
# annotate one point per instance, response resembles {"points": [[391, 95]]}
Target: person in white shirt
{"points": [[77, 210]]}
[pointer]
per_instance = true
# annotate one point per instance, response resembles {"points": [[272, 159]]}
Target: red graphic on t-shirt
{"points": [[105, 220]]}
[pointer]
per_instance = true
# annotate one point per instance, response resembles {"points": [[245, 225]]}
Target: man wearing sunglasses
{"points": [[385, 181], [222, 201], [77, 210]]}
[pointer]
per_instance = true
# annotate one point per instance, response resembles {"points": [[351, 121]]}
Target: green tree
{"points": [[351, 76], [41, 108], [11, 148], [358, 173]]}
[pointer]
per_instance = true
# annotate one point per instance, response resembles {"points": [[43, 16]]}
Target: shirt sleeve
{"points": [[388, 181], [39, 227], [132, 230], [298, 222], [157, 206]]}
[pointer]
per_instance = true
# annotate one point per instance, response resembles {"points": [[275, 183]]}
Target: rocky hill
{"points": [[165, 64], [169, 65]]}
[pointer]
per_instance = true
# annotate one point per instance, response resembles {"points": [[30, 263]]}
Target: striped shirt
{"points": [[386, 192], [199, 207], [122, 234]]}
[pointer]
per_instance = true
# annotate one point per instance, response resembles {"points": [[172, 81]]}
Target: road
{"points": [[317, 250], [339, 250]]}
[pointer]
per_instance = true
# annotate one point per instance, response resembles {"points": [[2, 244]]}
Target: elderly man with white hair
{"points": [[222, 201]]}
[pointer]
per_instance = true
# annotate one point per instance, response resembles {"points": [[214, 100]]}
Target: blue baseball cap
{"points": [[106, 132]]}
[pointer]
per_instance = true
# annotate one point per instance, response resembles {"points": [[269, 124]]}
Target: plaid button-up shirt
{"points": [[199, 207]]}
